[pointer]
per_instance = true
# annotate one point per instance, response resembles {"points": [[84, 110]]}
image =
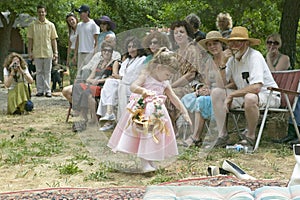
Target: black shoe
{"points": [[294, 141], [48, 94], [39, 94], [285, 139]]}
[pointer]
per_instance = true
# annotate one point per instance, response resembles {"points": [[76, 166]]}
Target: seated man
{"points": [[248, 71]]}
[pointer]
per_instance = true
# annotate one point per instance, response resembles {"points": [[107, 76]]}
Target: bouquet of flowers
{"points": [[147, 115]]}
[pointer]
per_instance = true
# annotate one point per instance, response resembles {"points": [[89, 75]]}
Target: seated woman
{"points": [[119, 85], [16, 76], [276, 61], [82, 95], [199, 102]]}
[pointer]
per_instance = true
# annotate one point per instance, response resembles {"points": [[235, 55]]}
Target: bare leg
{"points": [[67, 92], [251, 114], [92, 108], [197, 132], [218, 97]]}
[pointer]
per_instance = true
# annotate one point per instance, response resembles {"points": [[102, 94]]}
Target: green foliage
{"points": [[69, 169], [101, 174], [260, 17]]}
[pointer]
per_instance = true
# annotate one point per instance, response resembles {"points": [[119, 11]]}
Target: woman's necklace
{"points": [[130, 62]]}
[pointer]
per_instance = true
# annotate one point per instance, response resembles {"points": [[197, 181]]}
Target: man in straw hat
{"points": [[246, 70]]}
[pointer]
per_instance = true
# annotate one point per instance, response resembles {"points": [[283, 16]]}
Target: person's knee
{"points": [[216, 93], [250, 100]]}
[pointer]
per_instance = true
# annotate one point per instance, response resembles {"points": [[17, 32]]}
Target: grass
{"points": [[43, 152]]}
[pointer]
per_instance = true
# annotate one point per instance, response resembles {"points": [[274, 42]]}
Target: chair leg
{"points": [[69, 113]]}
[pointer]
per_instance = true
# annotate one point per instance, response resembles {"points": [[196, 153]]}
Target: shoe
{"points": [[106, 127], [214, 171], [108, 117], [48, 94], [146, 166], [246, 141], [295, 178], [294, 141], [39, 94], [221, 141], [285, 139], [191, 142], [236, 170]]}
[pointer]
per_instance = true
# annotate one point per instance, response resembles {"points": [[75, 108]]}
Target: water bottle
{"points": [[237, 147]]}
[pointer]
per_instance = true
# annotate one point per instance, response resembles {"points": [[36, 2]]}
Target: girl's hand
{"points": [[147, 93], [187, 118]]}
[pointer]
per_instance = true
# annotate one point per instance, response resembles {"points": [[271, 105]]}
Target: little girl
{"points": [[146, 129]]}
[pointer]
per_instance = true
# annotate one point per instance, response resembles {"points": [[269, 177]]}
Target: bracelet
{"points": [[222, 67]]}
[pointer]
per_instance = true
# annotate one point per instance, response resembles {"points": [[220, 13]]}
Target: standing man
{"points": [[248, 71], [87, 37], [42, 47]]}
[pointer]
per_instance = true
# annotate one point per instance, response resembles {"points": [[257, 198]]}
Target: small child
{"points": [[146, 128]]}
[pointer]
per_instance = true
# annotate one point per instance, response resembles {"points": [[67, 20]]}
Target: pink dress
{"points": [[155, 142]]}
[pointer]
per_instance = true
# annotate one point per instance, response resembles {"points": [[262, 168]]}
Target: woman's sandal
{"points": [[191, 142], [246, 141]]}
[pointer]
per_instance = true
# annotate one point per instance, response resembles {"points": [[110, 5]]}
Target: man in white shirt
{"points": [[87, 37], [247, 71]]}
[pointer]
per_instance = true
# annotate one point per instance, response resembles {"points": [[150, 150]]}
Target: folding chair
{"points": [[289, 86]]}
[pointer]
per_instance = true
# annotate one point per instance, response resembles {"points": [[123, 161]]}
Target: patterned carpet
{"points": [[132, 193]]}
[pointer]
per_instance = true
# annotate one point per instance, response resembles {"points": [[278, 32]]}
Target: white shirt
{"points": [[131, 68], [254, 64], [73, 38], [86, 31]]}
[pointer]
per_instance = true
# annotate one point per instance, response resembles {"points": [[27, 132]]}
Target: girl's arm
{"points": [[136, 86], [177, 103]]}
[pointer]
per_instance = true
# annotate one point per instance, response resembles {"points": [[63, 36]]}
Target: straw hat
{"points": [[241, 33], [211, 36]]}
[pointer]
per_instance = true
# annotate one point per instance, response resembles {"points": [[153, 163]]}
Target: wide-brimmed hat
{"points": [[106, 19], [211, 36], [83, 8], [241, 33]]}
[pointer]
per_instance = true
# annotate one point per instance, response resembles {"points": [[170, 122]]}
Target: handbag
{"points": [[29, 104]]}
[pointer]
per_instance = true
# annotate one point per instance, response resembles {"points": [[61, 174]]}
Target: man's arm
{"points": [[29, 48], [254, 88], [54, 49]]}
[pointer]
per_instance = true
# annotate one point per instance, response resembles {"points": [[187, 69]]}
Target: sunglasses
{"points": [[107, 50], [272, 43], [103, 23], [70, 14], [153, 42]]}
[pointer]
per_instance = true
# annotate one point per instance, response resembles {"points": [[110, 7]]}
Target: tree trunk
{"points": [[5, 33], [288, 28]]}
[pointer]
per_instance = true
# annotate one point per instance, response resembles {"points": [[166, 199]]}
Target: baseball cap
{"points": [[83, 8]]}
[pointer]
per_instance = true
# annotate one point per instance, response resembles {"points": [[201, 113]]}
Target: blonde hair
{"points": [[224, 16], [164, 57], [276, 37], [9, 59]]}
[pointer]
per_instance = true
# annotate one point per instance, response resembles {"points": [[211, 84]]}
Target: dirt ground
{"points": [[39, 150]]}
